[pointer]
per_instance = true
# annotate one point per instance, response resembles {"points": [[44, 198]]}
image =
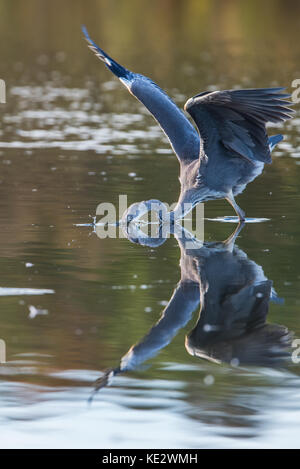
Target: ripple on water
{"points": [[56, 126], [4, 291]]}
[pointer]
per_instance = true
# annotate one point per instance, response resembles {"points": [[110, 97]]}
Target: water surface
{"points": [[72, 305]]}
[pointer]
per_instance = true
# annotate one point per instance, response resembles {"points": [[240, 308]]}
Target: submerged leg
{"points": [[237, 209]]}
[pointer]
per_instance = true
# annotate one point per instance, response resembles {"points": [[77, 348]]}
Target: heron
{"points": [[230, 146]]}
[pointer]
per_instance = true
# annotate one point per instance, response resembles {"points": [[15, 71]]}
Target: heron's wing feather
{"points": [[182, 135], [236, 119], [273, 140]]}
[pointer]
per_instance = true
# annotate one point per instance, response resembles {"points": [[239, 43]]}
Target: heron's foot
{"points": [[241, 214]]}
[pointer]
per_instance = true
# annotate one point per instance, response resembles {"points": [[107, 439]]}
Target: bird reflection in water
{"points": [[233, 293]]}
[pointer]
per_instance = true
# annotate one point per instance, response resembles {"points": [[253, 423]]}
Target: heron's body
{"points": [[217, 179], [231, 145]]}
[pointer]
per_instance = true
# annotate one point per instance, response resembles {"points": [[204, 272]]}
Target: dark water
{"points": [[71, 137]]}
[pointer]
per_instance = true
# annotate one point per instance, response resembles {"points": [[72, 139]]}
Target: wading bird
{"points": [[232, 145]]}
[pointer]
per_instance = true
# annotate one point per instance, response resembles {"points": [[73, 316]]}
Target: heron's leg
{"points": [[230, 241], [237, 209]]}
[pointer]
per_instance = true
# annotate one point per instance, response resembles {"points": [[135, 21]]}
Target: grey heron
{"points": [[231, 146]]}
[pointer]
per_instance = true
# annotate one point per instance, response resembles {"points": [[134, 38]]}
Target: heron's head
{"points": [[137, 210]]}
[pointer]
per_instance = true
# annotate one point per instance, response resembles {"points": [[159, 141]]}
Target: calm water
{"points": [[70, 138]]}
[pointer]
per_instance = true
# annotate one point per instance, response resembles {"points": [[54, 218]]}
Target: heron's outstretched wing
{"points": [[182, 135], [236, 120]]}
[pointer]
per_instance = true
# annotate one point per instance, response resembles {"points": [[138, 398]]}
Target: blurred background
{"points": [[72, 137]]}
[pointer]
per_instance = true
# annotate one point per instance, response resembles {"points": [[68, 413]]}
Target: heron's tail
{"points": [[112, 65], [274, 140]]}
